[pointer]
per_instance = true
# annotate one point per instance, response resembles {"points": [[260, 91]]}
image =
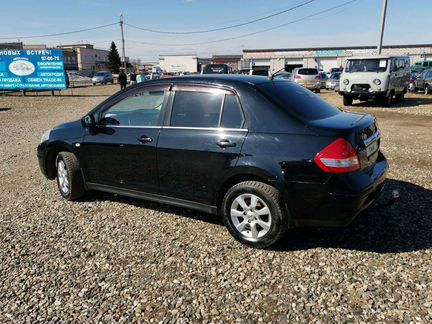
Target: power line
{"points": [[60, 34], [250, 34], [221, 28]]}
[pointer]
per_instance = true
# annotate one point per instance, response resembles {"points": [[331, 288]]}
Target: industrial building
{"points": [[190, 63], [88, 58], [324, 58]]}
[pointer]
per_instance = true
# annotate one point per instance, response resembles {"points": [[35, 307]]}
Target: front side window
{"points": [[139, 109], [196, 109]]}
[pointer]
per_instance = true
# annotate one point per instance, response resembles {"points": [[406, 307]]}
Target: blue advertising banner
{"points": [[32, 70]]}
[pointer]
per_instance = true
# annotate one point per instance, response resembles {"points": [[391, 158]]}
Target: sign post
{"points": [[28, 70]]}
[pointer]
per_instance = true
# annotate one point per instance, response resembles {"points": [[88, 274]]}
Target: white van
{"points": [[377, 77]]}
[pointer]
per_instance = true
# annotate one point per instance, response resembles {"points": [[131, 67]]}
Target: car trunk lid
{"points": [[360, 130]]}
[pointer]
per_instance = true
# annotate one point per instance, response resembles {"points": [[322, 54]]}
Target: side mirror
{"points": [[88, 121]]}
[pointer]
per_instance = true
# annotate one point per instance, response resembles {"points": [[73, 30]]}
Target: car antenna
{"points": [[273, 74]]}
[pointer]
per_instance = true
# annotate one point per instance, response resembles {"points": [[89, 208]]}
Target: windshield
{"points": [[366, 65], [297, 100], [100, 74], [417, 70], [335, 76]]}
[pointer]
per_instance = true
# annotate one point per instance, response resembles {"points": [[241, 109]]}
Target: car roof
{"points": [[221, 79]]}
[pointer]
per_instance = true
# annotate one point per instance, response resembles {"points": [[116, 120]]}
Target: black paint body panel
{"points": [[186, 166]]}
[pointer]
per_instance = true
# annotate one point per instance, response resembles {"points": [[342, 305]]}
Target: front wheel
{"points": [[386, 101], [399, 97], [69, 178], [428, 90], [317, 90], [254, 214], [347, 100]]}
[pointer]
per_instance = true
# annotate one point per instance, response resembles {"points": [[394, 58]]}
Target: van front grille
{"points": [[360, 88]]}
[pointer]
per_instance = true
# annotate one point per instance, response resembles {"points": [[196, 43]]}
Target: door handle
{"points": [[225, 143], [145, 139]]}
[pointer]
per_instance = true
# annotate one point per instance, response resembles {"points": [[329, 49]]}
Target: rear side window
{"points": [[298, 100], [308, 71], [196, 109], [232, 116]]}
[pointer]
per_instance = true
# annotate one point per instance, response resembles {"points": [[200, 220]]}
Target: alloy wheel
{"points": [[63, 177], [250, 216]]}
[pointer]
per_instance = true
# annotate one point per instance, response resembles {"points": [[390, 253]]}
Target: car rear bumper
{"points": [[338, 201], [310, 84]]}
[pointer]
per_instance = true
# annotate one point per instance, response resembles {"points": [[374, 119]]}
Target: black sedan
{"points": [[267, 155]]}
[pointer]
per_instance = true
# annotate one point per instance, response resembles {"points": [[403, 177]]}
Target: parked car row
{"points": [[422, 82]]}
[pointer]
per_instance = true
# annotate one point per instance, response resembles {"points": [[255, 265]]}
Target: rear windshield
{"points": [[335, 76], [307, 71], [298, 100]]}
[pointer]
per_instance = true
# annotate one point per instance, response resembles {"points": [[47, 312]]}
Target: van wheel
{"points": [[347, 100], [387, 100], [254, 214], [399, 97], [69, 178]]}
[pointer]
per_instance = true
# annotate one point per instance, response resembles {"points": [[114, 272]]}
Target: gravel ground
{"points": [[113, 259]]}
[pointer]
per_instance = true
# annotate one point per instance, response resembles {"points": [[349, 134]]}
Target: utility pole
{"points": [[123, 47], [383, 17]]}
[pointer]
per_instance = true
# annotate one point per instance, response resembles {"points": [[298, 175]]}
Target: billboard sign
{"points": [[32, 70]]}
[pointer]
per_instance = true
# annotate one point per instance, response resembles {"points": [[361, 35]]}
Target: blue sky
{"points": [[356, 23]]}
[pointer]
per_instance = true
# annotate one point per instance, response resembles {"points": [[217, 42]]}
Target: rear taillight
{"points": [[297, 77], [338, 157], [318, 78]]}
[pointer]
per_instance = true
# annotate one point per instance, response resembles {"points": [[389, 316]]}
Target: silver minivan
{"points": [[375, 77], [307, 77]]}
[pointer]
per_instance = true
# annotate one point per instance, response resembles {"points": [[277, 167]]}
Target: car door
{"points": [[122, 150], [199, 143]]}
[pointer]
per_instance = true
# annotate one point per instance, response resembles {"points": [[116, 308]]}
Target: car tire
{"points": [[94, 83], [69, 178], [317, 90], [254, 214], [347, 100], [399, 97], [427, 90]]}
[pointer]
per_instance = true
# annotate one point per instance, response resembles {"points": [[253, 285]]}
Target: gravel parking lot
{"points": [[114, 259]]}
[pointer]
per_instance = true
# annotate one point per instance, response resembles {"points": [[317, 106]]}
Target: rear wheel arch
{"points": [[235, 179]]}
